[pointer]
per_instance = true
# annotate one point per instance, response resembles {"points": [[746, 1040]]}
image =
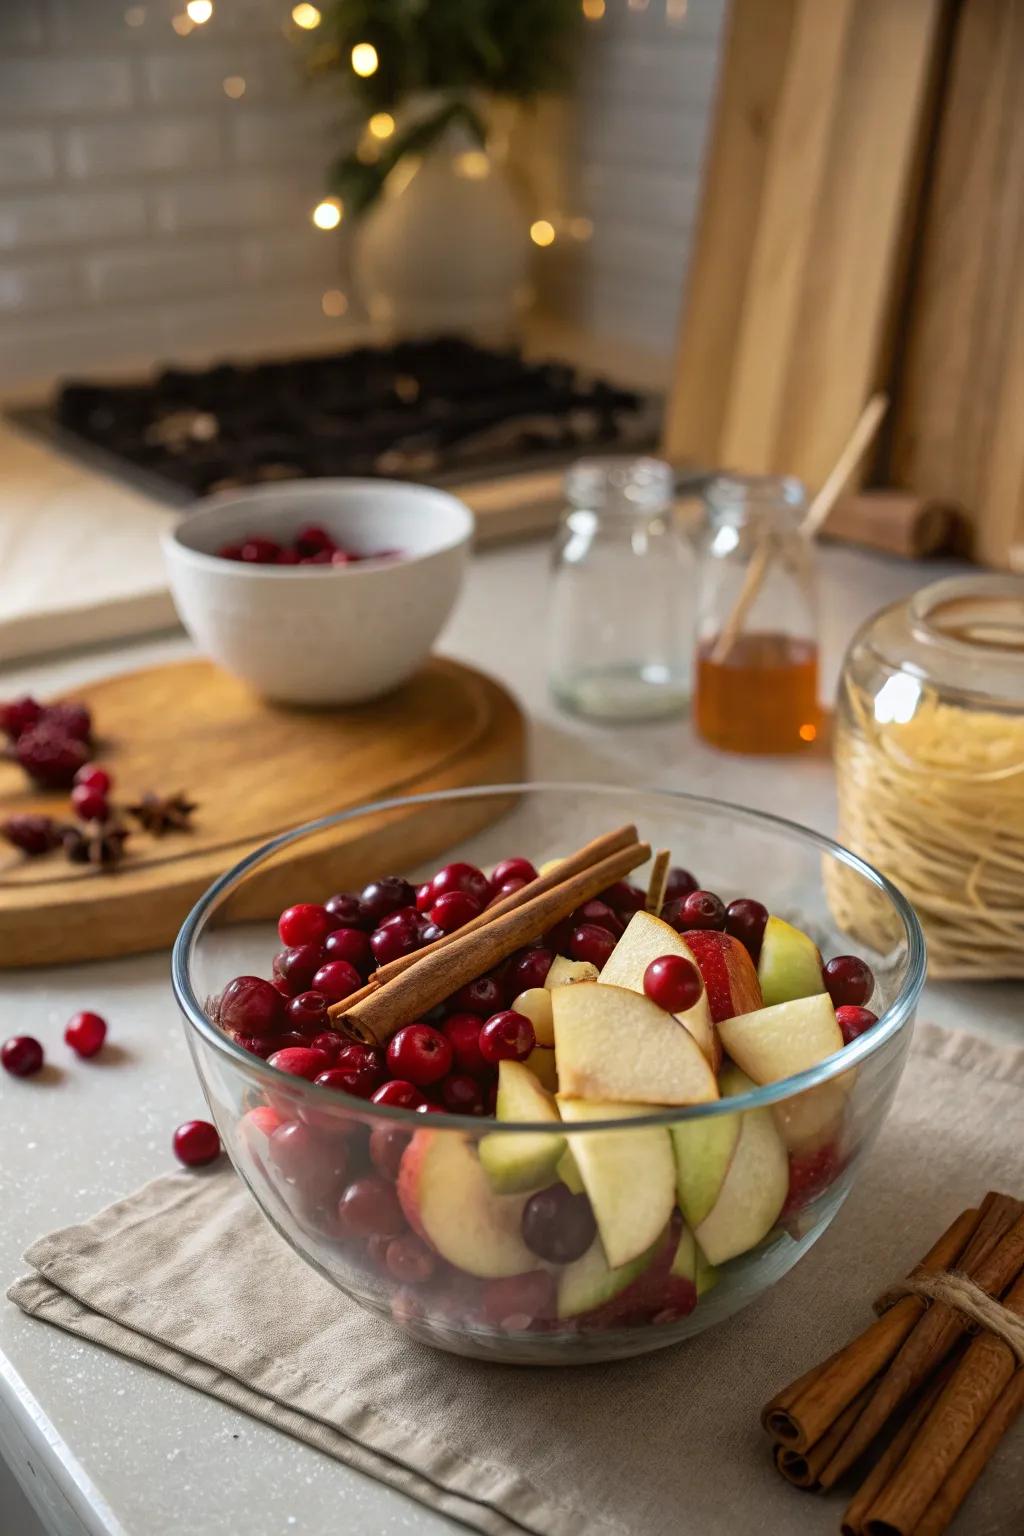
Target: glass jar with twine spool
{"points": [[930, 769]]}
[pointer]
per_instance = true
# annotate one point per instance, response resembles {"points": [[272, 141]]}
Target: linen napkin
{"points": [[183, 1275]]}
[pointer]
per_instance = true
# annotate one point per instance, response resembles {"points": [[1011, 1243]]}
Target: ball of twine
{"points": [[937, 803]]}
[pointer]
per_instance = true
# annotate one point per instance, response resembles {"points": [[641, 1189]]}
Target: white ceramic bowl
{"points": [[321, 634]]}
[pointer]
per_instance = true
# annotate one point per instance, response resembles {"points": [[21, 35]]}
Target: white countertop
{"points": [[109, 1447]]}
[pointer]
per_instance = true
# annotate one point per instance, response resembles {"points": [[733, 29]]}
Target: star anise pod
{"points": [[163, 813], [95, 842]]}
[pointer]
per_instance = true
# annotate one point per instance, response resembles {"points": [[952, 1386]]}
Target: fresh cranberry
{"points": [[624, 898], [21, 1055], [848, 981], [454, 910], [854, 1021], [513, 869], [462, 1094], [337, 980], [673, 982], [515, 1302], [428, 1108], [312, 538], [300, 1061], [49, 755], [701, 909], [85, 1033], [91, 776], [393, 940], [409, 1260], [680, 883], [296, 966], [398, 1095], [322, 557], [251, 1006], [528, 969], [89, 804], [305, 923], [482, 996], [491, 1096], [403, 917], [600, 915], [196, 1143], [558, 939], [382, 897], [369, 1207], [229, 552], [462, 1031], [558, 1225], [507, 888], [350, 944], [347, 910], [318, 1163], [287, 557], [745, 919], [387, 1144], [260, 551], [307, 1013], [809, 1174], [507, 1036], [31, 834], [361, 1070], [330, 1042], [430, 933], [420, 1055], [256, 1047], [19, 715], [69, 719], [424, 897], [591, 943], [462, 877]]}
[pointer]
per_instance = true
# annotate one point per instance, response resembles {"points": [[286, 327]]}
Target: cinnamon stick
{"points": [[993, 1258], [436, 975], [800, 1423], [853, 1516], [584, 858], [803, 1468], [986, 1369], [974, 1459]]}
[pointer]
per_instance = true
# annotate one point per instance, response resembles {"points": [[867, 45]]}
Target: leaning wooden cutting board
{"points": [[255, 770]]}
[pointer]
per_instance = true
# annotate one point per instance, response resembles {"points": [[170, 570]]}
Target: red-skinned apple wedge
{"points": [[591, 1290], [730, 979], [629, 1177], [647, 938], [773, 1043], [617, 1046], [448, 1201]]}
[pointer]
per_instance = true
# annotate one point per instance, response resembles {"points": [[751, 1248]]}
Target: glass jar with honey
{"points": [[756, 686]]}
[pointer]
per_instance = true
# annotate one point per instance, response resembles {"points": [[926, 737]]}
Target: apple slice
{"points": [[789, 965], [541, 1062], [616, 1045], [811, 1119], [703, 1151], [564, 973], [729, 976], [569, 1173], [629, 1177], [776, 1042], [518, 1160], [690, 1264], [589, 1282], [448, 1201], [535, 1004], [647, 938], [755, 1186]]}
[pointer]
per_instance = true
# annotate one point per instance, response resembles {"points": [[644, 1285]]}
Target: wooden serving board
{"points": [[256, 770]]}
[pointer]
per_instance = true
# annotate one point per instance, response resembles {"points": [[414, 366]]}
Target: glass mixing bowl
{"points": [[487, 1295]]}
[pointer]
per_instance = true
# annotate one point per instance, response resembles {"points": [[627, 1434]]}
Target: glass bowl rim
{"points": [[888, 1026]]}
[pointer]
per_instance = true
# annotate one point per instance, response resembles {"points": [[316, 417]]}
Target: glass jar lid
{"points": [[619, 484]]}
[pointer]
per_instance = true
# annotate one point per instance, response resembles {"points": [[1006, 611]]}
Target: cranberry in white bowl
{"points": [[337, 633]]}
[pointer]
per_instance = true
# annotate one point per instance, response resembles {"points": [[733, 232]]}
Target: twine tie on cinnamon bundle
{"points": [[959, 1291]]}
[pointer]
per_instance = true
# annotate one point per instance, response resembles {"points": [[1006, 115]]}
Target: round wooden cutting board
{"points": [[255, 769]]}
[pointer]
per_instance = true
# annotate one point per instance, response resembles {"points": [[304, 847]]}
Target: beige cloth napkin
{"points": [[186, 1276]]}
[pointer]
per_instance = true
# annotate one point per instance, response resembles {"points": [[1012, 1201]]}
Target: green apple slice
{"points": [[754, 1189], [535, 1004], [569, 1173], [517, 1160], [647, 938], [565, 973], [772, 1043], [541, 1062], [690, 1264], [703, 1151], [616, 1046], [789, 965], [629, 1177], [590, 1282]]}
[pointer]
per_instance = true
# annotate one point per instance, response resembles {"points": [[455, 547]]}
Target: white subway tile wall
{"points": [[157, 179]]}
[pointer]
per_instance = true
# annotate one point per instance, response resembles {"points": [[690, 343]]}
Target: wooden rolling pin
{"points": [[898, 522]]}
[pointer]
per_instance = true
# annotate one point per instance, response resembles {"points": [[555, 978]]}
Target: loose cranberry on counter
{"points": [[591, 943], [92, 776], [516, 1302], [387, 1145], [300, 1061], [558, 1225], [350, 944], [361, 1068], [854, 1021], [347, 910], [19, 715], [251, 1006], [462, 1094], [337, 980], [370, 1208], [462, 1031], [528, 969], [69, 719], [454, 910], [305, 923], [21, 1055], [382, 897], [745, 920], [398, 1095], [85, 1033], [90, 803], [31, 834], [307, 1013], [673, 982], [49, 755], [482, 996], [701, 909], [848, 981], [420, 1054], [409, 1260], [513, 869], [680, 883], [196, 1143], [295, 967], [507, 1036], [462, 877]]}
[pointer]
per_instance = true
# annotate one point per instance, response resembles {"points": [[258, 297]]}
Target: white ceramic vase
{"points": [[446, 245]]}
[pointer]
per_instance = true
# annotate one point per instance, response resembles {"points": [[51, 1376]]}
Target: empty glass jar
{"points": [[621, 615]]}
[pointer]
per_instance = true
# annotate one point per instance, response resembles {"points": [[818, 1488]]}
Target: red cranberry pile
{"points": [[312, 545], [50, 741]]}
